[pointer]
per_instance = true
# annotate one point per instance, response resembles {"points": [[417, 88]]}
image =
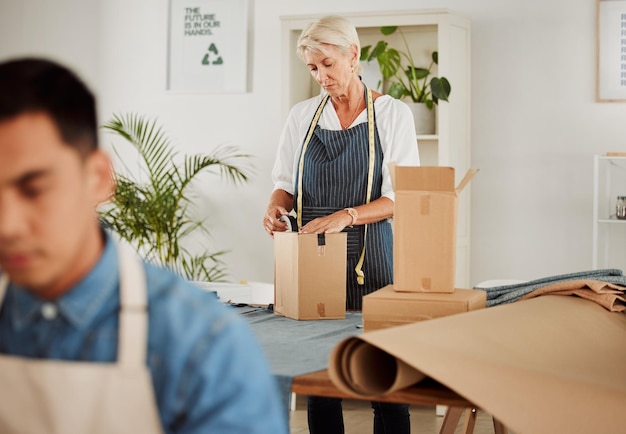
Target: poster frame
{"points": [[201, 34]]}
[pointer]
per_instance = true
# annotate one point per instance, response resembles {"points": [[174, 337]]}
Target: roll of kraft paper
{"points": [[361, 368], [562, 371]]}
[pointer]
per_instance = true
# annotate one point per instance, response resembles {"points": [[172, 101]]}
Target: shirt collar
{"points": [[80, 304]]}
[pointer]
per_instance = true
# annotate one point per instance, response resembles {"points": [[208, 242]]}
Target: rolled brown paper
{"points": [[363, 369], [551, 364]]}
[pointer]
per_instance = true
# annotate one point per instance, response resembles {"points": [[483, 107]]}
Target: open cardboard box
{"points": [[425, 219], [310, 275], [388, 308]]}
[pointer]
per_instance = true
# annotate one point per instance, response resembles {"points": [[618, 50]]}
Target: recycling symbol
{"points": [[217, 61]]}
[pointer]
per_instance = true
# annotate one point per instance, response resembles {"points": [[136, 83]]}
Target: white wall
{"points": [[67, 30], [535, 122]]}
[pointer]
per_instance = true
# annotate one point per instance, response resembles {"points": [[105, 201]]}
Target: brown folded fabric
{"points": [[607, 295]]}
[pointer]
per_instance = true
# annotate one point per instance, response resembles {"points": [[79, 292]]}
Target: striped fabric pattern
{"points": [[335, 177]]}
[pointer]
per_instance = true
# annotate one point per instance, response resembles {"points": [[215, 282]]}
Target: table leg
{"points": [[499, 427], [451, 420], [470, 421]]}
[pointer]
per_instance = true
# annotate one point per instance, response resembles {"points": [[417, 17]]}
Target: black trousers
{"points": [[325, 416]]}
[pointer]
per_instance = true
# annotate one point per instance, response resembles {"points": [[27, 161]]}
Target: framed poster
{"points": [[611, 71], [208, 46]]}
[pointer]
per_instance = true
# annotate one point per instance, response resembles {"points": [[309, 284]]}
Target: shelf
{"points": [[609, 233], [427, 138]]}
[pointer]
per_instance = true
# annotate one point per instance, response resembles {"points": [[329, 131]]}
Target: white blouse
{"points": [[396, 131]]}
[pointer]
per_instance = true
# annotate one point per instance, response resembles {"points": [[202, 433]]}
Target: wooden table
{"points": [[426, 392]]}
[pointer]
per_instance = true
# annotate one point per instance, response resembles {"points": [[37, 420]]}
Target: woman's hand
{"points": [[271, 222], [330, 224], [279, 201], [375, 211]]}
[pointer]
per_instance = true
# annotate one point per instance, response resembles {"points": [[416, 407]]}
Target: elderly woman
{"points": [[332, 170]]}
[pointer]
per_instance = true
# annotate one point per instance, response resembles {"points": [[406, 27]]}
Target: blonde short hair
{"points": [[330, 30]]}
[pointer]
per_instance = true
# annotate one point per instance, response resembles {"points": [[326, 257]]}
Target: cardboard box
{"points": [[389, 308], [310, 275], [425, 218]]}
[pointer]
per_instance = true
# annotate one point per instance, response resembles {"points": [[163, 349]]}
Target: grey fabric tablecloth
{"points": [[298, 347]]}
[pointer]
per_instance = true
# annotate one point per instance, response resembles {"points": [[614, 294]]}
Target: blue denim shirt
{"points": [[208, 371]]}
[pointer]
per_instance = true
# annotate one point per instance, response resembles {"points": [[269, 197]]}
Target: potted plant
{"points": [[408, 80], [151, 210]]}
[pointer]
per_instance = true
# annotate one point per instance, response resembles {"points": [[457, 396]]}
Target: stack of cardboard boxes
{"points": [[425, 219], [310, 269]]}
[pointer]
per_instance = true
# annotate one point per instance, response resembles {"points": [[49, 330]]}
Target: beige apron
{"points": [[47, 396]]}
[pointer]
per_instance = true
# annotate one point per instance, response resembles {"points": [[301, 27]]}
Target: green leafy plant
{"points": [[408, 80], [151, 209]]}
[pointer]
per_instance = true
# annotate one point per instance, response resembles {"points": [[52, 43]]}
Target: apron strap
{"points": [[360, 275], [133, 328], [4, 284], [305, 145]]}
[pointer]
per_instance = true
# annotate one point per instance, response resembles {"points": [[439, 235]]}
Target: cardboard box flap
{"points": [[423, 178], [466, 179]]}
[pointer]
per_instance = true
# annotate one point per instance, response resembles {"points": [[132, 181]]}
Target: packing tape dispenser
{"points": [[290, 221]]}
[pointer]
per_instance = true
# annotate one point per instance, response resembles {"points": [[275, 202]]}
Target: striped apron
{"points": [[343, 169]]}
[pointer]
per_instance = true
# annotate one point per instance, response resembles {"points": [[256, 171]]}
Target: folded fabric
{"points": [[509, 293], [607, 295]]}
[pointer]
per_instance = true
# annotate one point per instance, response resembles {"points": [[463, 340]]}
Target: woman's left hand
{"points": [[330, 224]]}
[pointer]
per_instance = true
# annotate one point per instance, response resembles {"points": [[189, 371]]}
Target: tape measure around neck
{"points": [[360, 275]]}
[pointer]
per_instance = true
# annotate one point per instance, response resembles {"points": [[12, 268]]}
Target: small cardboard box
{"points": [[389, 308], [310, 275], [425, 218]]}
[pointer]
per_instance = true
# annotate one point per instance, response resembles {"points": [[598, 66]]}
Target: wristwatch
{"points": [[354, 214]]}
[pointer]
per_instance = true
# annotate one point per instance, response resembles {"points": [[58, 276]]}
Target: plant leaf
{"points": [[388, 30], [414, 73], [389, 62], [380, 48], [365, 56], [440, 88], [398, 90]]}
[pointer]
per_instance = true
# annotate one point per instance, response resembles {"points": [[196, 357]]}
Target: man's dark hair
{"points": [[32, 85]]}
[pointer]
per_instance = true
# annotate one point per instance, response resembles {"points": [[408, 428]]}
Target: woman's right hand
{"points": [[271, 222], [279, 201]]}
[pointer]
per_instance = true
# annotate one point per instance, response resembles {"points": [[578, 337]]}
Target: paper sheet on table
{"points": [[551, 364]]}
